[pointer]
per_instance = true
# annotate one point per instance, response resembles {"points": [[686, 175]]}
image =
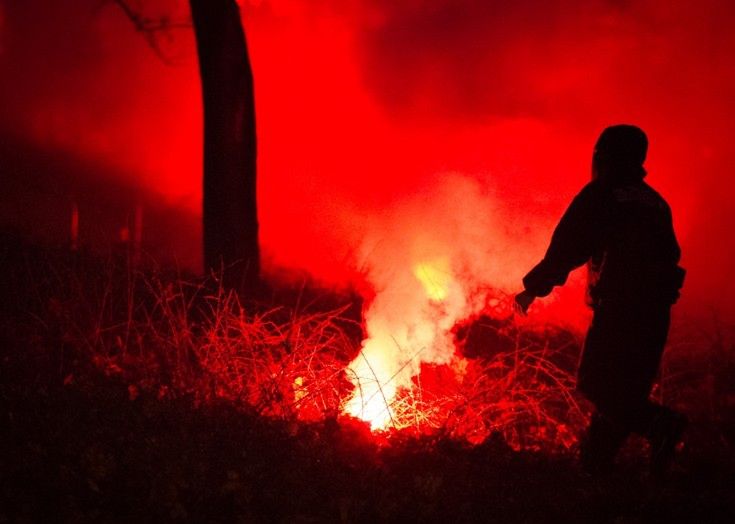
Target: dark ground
{"points": [[76, 447], [87, 453]]}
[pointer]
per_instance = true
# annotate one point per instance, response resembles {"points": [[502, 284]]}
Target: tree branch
{"points": [[153, 29]]}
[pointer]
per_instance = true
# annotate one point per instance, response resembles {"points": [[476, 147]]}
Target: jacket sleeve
{"points": [[572, 245]]}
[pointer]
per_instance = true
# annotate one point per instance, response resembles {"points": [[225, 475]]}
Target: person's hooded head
{"points": [[619, 155]]}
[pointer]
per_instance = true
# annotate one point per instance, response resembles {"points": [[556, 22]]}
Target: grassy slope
{"points": [[75, 447]]}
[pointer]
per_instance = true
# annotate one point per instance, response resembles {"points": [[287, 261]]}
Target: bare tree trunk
{"points": [[230, 218]]}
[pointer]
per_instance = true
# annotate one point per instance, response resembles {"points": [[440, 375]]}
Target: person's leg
{"points": [[661, 426], [600, 444], [619, 364], [598, 379]]}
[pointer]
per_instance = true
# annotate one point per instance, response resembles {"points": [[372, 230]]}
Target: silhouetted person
{"points": [[622, 229]]}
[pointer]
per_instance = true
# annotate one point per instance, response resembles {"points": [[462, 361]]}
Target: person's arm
{"points": [[571, 246]]}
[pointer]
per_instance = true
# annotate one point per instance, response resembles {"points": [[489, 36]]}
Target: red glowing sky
{"points": [[367, 109]]}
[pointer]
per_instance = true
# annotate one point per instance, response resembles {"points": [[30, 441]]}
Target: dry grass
{"points": [[179, 336], [78, 449]]}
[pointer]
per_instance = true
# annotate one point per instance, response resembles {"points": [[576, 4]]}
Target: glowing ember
{"points": [[298, 389]]}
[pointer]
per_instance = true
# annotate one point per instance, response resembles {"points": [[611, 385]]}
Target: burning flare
{"points": [[429, 264], [408, 323]]}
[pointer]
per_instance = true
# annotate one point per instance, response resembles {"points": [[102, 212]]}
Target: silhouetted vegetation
{"points": [[99, 427]]}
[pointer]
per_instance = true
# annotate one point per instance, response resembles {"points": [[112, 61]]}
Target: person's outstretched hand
{"points": [[522, 301]]}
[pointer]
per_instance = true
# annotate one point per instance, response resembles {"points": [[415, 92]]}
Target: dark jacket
{"points": [[624, 232]]}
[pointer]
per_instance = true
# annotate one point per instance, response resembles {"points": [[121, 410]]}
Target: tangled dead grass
{"points": [[179, 336]]}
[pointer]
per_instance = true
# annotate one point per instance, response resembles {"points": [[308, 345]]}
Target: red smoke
{"points": [[401, 132]]}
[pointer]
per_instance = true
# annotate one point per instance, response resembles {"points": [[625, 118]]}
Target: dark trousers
{"points": [[621, 357]]}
